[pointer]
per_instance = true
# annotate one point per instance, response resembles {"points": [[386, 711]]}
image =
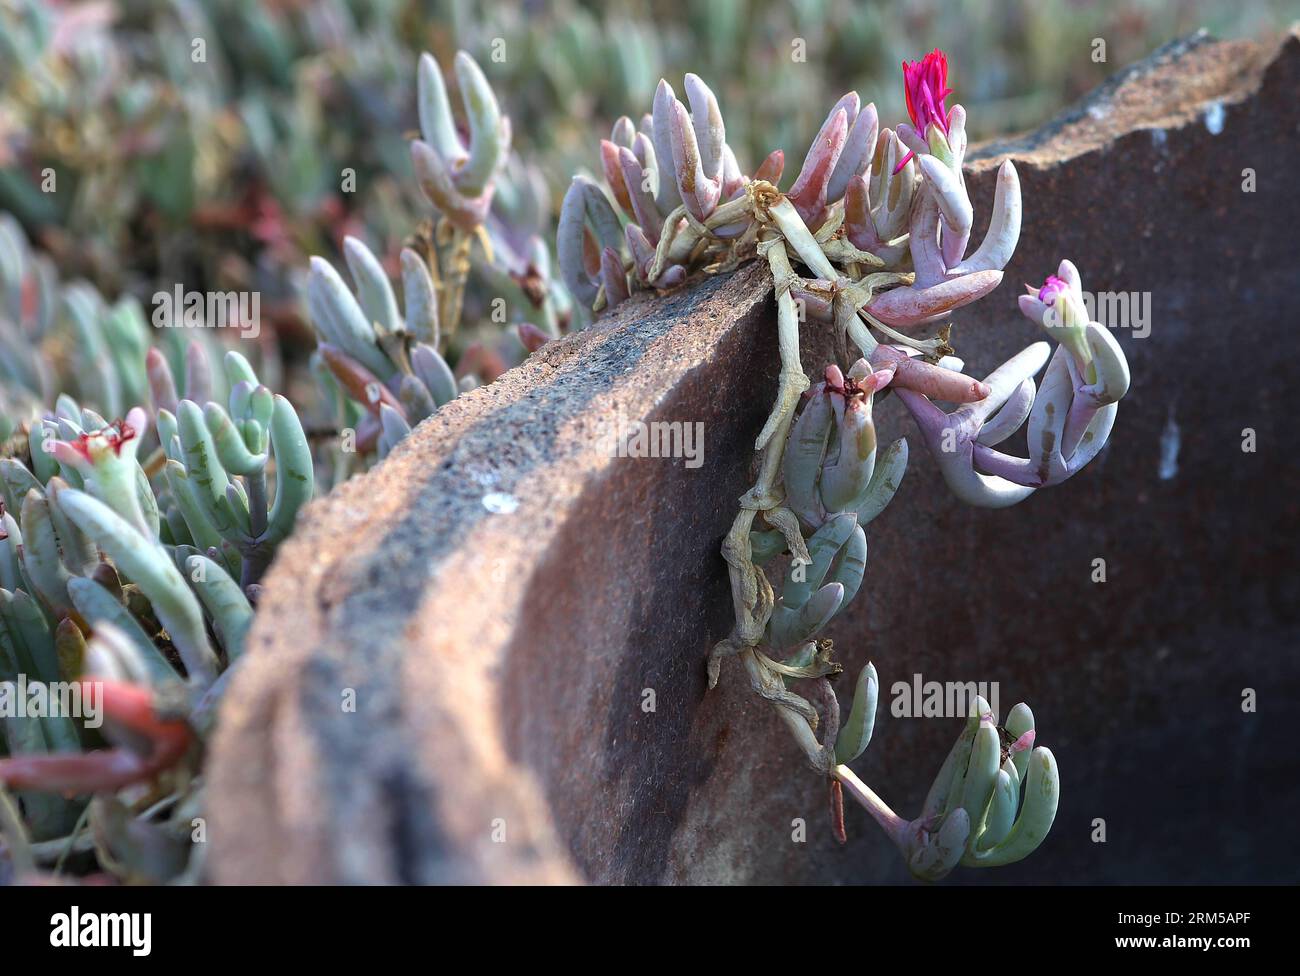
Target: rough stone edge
{"points": [[1092, 124], [267, 772]]}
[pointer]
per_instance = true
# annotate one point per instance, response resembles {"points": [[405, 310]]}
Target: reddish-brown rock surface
{"points": [[500, 594]]}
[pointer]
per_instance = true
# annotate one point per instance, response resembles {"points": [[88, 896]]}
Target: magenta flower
{"points": [[1052, 289], [925, 84]]}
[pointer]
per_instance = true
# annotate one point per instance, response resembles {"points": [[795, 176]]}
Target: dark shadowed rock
{"points": [[501, 594]]}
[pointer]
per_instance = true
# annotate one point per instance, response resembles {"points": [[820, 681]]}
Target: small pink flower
{"points": [[925, 83], [1053, 288]]}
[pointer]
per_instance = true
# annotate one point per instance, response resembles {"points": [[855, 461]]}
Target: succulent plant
{"points": [[991, 804], [384, 371], [878, 224], [377, 363], [129, 571], [127, 579]]}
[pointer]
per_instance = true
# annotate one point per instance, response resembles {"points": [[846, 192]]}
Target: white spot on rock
{"points": [[1214, 117], [500, 503], [1170, 438], [1159, 137]]}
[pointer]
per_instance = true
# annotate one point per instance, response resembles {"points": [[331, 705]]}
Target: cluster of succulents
{"points": [[130, 554], [65, 337], [131, 575], [210, 117], [131, 549], [134, 579], [381, 368], [385, 371], [878, 225]]}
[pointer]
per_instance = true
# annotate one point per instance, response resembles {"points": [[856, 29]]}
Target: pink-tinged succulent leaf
{"points": [[1023, 744], [198, 373], [368, 432], [733, 181], [770, 169], [590, 252], [923, 241], [673, 276], [361, 385], [531, 336], [1017, 470], [435, 179], [614, 277], [489, 137], [437, 127], [640, 247], [569, 244], [162, 388], [859, 148], [644, 151], [611, 165], [699, 193], [951, 437], [710, 132], [641, 203], [954, 206], [809, 191], [1000, 241], [1011, 417], [623, 132], [892, 187], [1032, 307], [1007, 378], [952, 244], [667, 196], [910, 138], [578, 252], [859, 226], [902, 307], [849, 102], [957, 133], [925, 378], [870, 377]]}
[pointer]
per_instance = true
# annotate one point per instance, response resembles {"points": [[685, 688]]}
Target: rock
{"points": [[522, 619]]}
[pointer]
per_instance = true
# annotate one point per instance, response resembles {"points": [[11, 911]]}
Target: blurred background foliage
{"points": [[207, 142]]}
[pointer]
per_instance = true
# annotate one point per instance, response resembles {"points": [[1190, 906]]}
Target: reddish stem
{"points": [[106, 770]]}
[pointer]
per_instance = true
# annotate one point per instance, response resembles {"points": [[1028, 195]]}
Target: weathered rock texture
{"points": [[501, 593]]}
